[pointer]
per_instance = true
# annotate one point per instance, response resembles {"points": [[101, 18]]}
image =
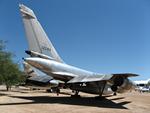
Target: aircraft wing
{"points": [[90, 78], [76, 78], [125, 74], [98, 77]]}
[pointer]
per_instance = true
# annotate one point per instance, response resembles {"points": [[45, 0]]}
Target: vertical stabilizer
{"points": [[37, 39]]}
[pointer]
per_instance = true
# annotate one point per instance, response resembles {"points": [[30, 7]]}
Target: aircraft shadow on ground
{"points": [[1, 94], [83, 101]]}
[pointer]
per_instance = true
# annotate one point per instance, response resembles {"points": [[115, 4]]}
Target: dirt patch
{"points": [[22, 100]]}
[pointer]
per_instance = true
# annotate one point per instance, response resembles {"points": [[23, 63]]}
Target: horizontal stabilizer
{"points": [[28, 69], [43, 79]]}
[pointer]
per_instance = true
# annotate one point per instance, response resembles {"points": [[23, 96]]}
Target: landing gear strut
{"points": [[101, 90], [76, 93], [58, 91], [115, 94]]}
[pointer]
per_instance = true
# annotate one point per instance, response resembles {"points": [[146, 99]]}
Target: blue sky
{"points": [[106, 36]]}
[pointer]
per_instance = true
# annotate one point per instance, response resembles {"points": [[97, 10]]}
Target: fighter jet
{"points": [[45, 58], [38, 80]]}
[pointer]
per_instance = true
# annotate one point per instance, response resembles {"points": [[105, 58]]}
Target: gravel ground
{"points": [[22, 100]]}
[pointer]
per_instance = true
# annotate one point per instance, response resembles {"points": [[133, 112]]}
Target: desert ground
{"points": [[22, 100]]}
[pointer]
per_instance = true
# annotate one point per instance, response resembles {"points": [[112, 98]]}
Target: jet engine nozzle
{"points": [[121, 85]]}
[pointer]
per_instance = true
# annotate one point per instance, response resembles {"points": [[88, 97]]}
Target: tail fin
{"points": [[36, 36], [29, 70]]}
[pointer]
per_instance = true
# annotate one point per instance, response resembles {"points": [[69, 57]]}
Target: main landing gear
{"points": [[115, 94], [76, 95], [101, 90]]}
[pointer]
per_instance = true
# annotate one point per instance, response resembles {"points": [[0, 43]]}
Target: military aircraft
{"points": [[38, 80], [45, 58]]}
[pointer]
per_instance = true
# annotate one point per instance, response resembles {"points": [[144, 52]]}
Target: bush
{"points": [[9, 71]]}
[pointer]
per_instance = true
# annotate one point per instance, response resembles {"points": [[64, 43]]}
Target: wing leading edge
{"points": [[95, 78]]}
